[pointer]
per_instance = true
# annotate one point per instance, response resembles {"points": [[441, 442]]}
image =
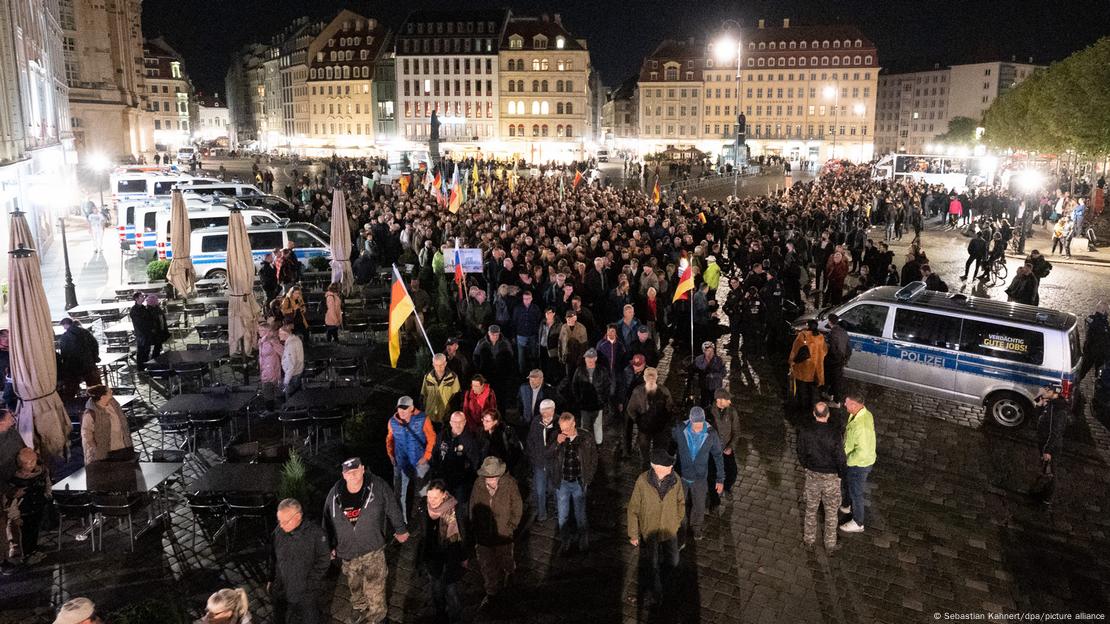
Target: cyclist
{"points": [[996, 254]]}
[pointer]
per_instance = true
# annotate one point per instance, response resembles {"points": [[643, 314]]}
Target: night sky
{"points": [[909, 34]]}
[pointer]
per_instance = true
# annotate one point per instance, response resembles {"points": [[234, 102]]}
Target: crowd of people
{"points": [[559, 341]]}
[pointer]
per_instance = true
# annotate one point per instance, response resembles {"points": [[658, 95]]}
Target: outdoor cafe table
{"points": [[346, 396], [177, 358], [213, 321], [334, 351], [232, 478], [112, 306], [146, 287], [197, 403], [122, 477], [208, 301]]}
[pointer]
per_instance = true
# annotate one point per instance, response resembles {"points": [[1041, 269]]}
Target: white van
{"points": [[185, 155], [966, 349], [223, 188], [210, 245], [138, 211], [213, 216], [132, 184]]}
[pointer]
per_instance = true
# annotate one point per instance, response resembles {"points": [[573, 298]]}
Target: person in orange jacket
{"points": [[807, 364], [409, 441]]}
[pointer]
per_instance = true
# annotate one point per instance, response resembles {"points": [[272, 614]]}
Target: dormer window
{"points": [[771, 46], [762, 46], [859, 44], [802, 45], [539, 42], [560, 42], [516, 42], [836, 44]]}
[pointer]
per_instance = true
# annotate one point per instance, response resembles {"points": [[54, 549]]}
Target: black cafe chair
{"points": [[208, 510], [328, 420], [76, 506], [248, 507], [295, 420], [119, 506]]}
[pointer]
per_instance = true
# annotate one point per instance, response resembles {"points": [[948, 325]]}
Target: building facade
{"points": [[447, 62], [914, 108], [37, 156], [103, 46], [620, 116], [170, 97], [543, 84], [293, 43], [340, 76], [670, 88], [245, 85], [213, 121]]}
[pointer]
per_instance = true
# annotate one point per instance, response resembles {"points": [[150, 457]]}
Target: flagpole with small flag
{"points": [[400, 308], [683, 290]]}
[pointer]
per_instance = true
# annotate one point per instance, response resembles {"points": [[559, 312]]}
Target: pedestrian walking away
{"points": [[821, 454], [859, 449]]}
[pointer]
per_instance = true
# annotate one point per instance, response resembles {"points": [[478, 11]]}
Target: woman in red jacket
{"points": [[477, 400], [835, 275]]}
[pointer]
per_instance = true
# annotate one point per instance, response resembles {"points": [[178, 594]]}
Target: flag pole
{"points": [[415, 313], [692, 348]]}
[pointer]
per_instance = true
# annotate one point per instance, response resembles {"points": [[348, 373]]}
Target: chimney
{"points": [[761, 24], [786, 22], [1013, 58], [558, 19], [1030, 60]]}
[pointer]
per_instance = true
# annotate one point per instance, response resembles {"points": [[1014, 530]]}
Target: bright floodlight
{"points": [[1030, 180], [859, 108], [724, 50], [99, 162], [829, 91]]}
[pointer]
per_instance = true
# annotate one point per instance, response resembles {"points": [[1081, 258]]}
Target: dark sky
{"points": [[910, 34]]}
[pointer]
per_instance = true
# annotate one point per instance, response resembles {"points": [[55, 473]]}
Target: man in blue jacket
{"points": [[697, 442], [526, 318]]}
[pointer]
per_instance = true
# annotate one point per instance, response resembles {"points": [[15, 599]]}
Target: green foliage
{"points": [[1064, 107], [156, 270], [167, 610], [294, 479], [319, 263], [359, 430], [961, 131]]}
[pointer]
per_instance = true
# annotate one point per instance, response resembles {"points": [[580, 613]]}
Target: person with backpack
{"points": [[807, 365]]}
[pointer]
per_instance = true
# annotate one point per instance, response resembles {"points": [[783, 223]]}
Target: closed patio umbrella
{"points": [[33, 365], [19, 231], [242, 309], [181, 274], [341, 243]]}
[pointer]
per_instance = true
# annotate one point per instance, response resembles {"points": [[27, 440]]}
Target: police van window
{"points": [[148, 221], [216, 243], [867, 319], [131, 186], [1000, 341], [266, 240], [261, 220], [164, 188], [925, 328], [130, 215], [303, 239], [1073, 344]]}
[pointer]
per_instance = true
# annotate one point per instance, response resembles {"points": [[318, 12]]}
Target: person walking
{"points": [[270, 352], [655, 515], [1052, 420], [859, 448], [292, 360], [333, 316], [495, 514], [409, 442], [650, 407], [443, 551], [439, 390], [837, 358], [807, 365], [1096, 345], [977, 254], [821, 454], [78, 353], [299, 559], [356, 512], [97, 223], [457, 457], [710, 371], [723, 417], [574, 468], [541, 446], [697, 442], [589, 389]]}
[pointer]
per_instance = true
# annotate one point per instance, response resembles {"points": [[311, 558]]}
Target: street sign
{"points": [[471, 260]]}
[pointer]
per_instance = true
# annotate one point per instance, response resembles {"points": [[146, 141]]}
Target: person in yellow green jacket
{"points": [[712, 275], [859, 447], [439, 390]]}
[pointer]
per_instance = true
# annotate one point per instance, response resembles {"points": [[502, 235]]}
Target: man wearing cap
{"points": [[531, 394], [78, 611], [859, 447], [821, 454], [439, 390], [656, 512], [495, 513], [572, 343], [541, 446], [651, 408], [590, 390], [355, 514], [457, 456], [711, 372], [575, 465], [457, 360], [697, 441], [494, 360], [409, 440], [722, 415], [644, 345]]}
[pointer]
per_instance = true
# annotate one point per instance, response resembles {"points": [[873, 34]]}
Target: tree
{"points": [[961, 131]]}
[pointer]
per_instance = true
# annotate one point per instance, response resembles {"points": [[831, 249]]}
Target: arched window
{"points": [[836, 45], [802, 62], [535, 85], [559, 86], [762, 46], [570, 130], [751, 62], [813, 61], [520, 111], [535, 130], [761, 62], [856, 60], [520, 85], [543, 86], [791, 62], [825, 44], [847, 44], [569, 86], [535, 108], [559, 130], [824, 61], [512, 130], [802, 45], [771, 46], [793, 45], [312, 73], [545, 108], [847, 61], [559, 109], [782, 62], [751, 46], [859, 44], [835, 61], [570, 108], [346, 71], [512, 107], [520, 130], [867, 59], [328, 73], [544, 131], [512, 86], [535, 64]]}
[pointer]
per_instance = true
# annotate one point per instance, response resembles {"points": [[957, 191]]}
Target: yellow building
{"points": [[542, 89], [340, 75], [671, 86]]}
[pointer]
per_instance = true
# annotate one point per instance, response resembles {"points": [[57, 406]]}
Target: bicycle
{"points": [[998, 271]]}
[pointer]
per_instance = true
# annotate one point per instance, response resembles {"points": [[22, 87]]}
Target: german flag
{"points": [[701, 218], [453, 201], [577, 179], [655, 195], [400, 308], [685, 282], [405, 181]]}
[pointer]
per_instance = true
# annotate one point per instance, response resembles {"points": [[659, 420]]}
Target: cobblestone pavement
{"points": [[950, 528]]}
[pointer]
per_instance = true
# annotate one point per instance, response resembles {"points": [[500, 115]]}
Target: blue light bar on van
{"points": [[910, 291]]}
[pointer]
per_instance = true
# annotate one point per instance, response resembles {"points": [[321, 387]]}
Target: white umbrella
{"points": [[340, 243], [242, 310], [34, 367], [181, 274]]}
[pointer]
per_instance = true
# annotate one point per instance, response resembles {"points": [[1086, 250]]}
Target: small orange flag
{"points": [[685, 283]]}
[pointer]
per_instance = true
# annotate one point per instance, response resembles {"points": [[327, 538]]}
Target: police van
{"points": [[131, 183], [209, 245], [228, 189], [139, 215], [966, 349], [216, 215]]}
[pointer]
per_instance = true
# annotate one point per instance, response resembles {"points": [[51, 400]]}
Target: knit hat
{"points": [[660, 457], [697, 414], [75, 611]]}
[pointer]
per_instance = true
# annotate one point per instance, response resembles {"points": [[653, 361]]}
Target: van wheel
{"points": [[216, 274], [1008, 409]]}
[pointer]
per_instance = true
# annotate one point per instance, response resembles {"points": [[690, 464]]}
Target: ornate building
{"points": [[170, 98]]}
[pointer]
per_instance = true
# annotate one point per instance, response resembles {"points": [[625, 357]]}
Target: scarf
{"points": [[695, 440], [482, 397], [449, 528]]}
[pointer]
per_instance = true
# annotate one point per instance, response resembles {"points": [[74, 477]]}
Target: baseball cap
{"points": [[697, 414], [547, 404], [643, 329], [452, 341], [351, 464], [590, 353], [74, 611], [495, 329], [660, 457], [708, 344], [405, 401]]}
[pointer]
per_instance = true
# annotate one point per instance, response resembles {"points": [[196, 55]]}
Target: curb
{"points": [[1063, 260]]}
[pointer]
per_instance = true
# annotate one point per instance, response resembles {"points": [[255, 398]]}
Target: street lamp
{"points": [[100, 163], [725, 49], [833, 92], [71, 290]]}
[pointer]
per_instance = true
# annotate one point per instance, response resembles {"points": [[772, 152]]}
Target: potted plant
{"points": [[319, 263], [294, 479], [156, 270]]}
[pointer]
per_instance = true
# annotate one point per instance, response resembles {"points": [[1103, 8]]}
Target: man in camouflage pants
{"points": [[821, 454], [353, 517]]}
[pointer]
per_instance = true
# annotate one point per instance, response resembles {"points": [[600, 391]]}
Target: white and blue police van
{"points": [[966, 349], [209, 245]]}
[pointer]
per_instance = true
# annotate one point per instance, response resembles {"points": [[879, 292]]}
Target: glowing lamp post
{"points": [[726, 50], [833, 93]]}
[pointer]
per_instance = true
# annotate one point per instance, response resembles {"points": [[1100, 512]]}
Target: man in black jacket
{"points": [[456, 458], [821, 454], [977, 253], [1052, 421], [79, 352], [299, 559], [1096, 344]]}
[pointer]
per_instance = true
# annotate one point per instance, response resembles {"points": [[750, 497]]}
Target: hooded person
{"points": [[697, 442]]}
